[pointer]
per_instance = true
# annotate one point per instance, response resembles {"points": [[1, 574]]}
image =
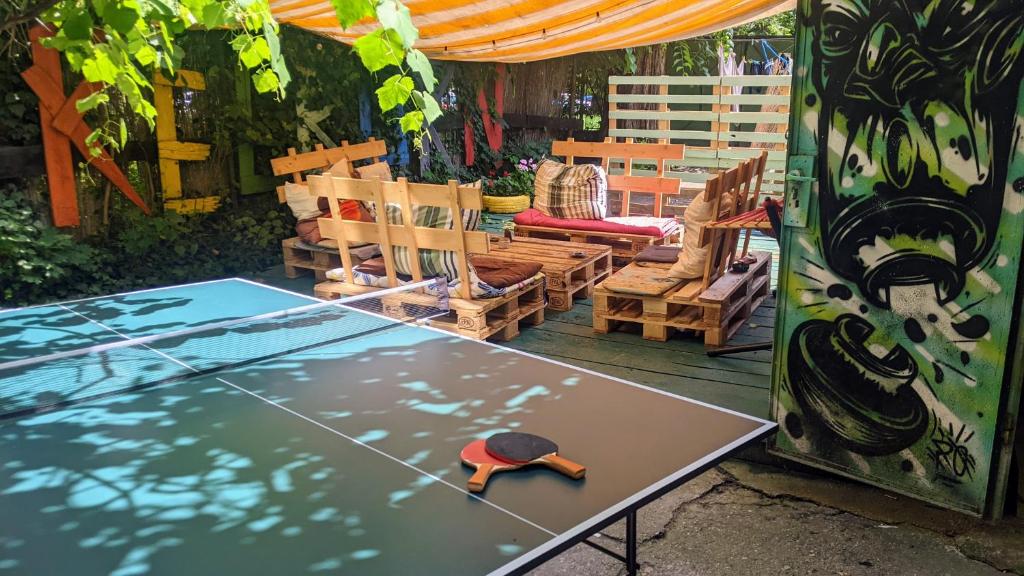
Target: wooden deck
{"points": [[680, 365]]}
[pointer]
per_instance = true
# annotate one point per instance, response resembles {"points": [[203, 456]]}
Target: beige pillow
{"points": [[570, 191], [302, 203], [693, 257], [376, 170]]}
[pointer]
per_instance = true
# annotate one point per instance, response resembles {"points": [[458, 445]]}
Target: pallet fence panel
{"points": [[721, 126]]}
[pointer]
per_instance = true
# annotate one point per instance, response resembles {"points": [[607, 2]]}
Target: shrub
{"points": [[40, 264]]}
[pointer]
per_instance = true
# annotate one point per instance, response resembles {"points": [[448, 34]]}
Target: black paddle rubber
{"points": [[519, 446]]}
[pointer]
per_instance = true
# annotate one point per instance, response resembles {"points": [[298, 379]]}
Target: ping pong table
{"points": [[204, 452]]}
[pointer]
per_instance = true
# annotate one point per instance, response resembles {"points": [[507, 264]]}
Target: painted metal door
{"points": [[899, 287]]}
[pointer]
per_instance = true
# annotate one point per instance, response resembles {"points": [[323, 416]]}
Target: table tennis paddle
{"points": [[475, 456], [522, 449]]}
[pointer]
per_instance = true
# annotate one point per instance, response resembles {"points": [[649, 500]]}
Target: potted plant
{"points": [[512, 190]]}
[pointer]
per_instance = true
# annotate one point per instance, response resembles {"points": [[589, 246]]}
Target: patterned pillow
{"points": [[571, 191], [433, 263], [471, 218]]}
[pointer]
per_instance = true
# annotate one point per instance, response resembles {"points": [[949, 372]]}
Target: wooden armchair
{"points": [[474, 318], [298, 255], [716, 303]]}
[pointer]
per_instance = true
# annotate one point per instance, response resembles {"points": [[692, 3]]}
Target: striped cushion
{"points": [[571, 191], [433, 263]]}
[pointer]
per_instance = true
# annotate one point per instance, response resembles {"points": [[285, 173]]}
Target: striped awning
{"points": [[527, 30]]}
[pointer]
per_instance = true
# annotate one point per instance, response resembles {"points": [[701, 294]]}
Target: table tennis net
{"points": [[56, 380]]}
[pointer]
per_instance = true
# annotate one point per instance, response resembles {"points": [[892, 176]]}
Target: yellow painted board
{"points": [[191, 151], [185, 79], [193, 205]]}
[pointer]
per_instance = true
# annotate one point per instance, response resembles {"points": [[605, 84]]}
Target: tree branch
{"points": [[28, 15]]}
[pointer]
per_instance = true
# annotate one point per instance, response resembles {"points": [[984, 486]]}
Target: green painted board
{"points": [[897, 300]]}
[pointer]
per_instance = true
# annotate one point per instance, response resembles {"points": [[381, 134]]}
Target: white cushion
{"points": [[302, 203], [693, 257]]}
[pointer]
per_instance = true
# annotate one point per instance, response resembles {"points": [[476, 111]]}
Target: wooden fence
{"points": [[721, 119]]}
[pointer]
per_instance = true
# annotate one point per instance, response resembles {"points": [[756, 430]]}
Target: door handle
{"points": [[798, 190]]}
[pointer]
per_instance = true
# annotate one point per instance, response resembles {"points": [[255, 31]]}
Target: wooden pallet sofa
{"points": [[479, 307], [716, 303], [300, 256], [626, 234]]}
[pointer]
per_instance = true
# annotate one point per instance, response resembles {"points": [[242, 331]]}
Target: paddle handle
{"points": [[565, 466], [479, 478]]}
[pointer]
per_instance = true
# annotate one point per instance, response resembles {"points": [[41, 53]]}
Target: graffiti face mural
{"points": [[917, 119], [899, 292]]}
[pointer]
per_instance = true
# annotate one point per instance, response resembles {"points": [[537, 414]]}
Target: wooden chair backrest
{"points": [[728, 183], [408, 197], [627, 152], [751, 196], [321, 158]]}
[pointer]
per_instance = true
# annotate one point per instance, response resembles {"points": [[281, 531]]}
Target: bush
{"points": [[40, 264]]}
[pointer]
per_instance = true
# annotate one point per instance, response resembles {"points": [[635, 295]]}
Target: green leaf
{"points": [[380, 49], [266, 81], [419, 64], [145, 55], [394, 15], [394, 92], [78, 25], [123, 132], [351, 11], [411, 121], [121, 17], [91, 101], [100, 69], [430, 108], [255, 53], [214, 15]]}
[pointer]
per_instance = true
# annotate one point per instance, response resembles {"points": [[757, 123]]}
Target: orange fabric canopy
{"points": [[528, 30]]}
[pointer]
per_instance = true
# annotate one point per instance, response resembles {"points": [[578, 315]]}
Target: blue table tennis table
{"points": [[186, 442]]}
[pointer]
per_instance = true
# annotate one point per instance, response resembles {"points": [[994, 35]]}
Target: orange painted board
{"points": [[60, 168]]}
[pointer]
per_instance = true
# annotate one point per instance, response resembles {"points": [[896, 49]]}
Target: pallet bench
{"points": [[568, 277], [492, 318], [718, 312]]}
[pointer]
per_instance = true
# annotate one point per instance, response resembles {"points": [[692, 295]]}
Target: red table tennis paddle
{"points": [[523, 449], [475, 456]]}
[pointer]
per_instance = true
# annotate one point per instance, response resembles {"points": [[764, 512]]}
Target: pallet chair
{"points": [[714, 303], [475, 318], [628, 152], [296, 254]]}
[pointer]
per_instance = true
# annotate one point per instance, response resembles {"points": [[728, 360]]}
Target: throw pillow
{"points": [[693, 256], [433, 263], [571, 191], [301, 202]]}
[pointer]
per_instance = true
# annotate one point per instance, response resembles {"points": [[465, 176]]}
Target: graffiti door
{"points": [[898, 292]]}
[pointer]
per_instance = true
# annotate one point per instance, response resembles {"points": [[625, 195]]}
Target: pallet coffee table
{"points": [[568, 276]]}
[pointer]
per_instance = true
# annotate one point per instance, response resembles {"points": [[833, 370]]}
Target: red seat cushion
{"points": [[639, 225]]}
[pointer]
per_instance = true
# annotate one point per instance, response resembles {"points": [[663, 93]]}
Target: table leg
{"points": [[631, 563]]}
